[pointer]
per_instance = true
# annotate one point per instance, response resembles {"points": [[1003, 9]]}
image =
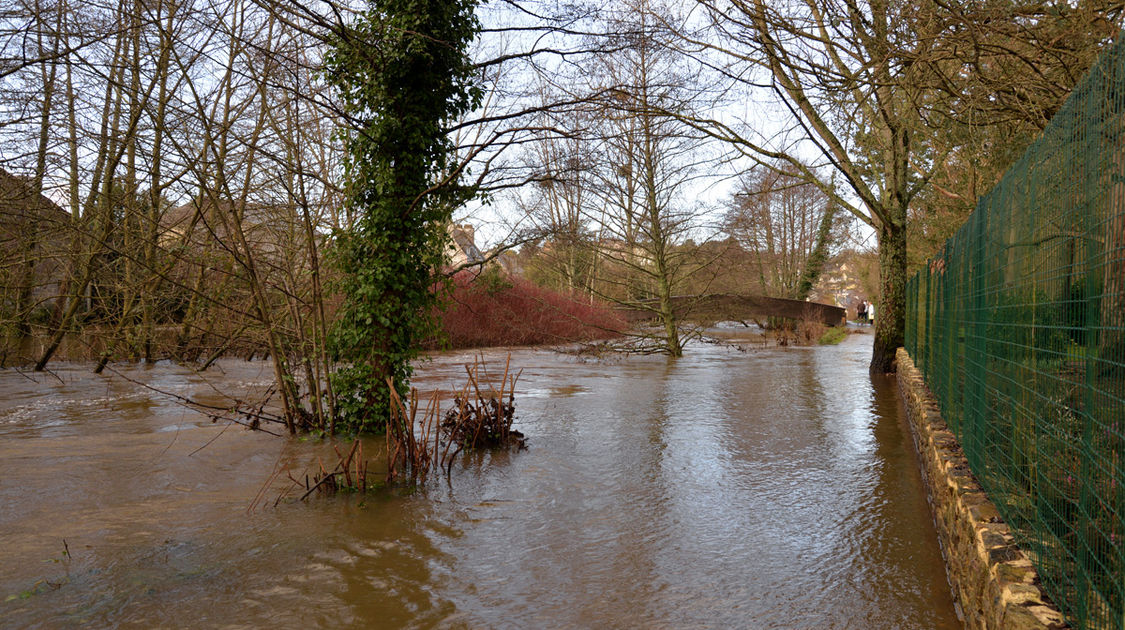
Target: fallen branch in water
{"points": [[252, 414]]}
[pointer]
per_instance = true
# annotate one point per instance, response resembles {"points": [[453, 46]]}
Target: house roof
{"points": [[464, 240], [20, 206]]}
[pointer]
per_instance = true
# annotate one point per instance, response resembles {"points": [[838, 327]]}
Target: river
{"points": [[752, 488]]}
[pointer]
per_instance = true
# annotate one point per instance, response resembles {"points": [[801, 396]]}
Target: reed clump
{"points": [[481, 417], [348, 475], [421, 440]]}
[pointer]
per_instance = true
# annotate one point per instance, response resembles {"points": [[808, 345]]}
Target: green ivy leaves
{"points": [[402, 75]]}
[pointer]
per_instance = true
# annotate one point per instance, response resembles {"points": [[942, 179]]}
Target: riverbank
{"points": [[485, 310]]}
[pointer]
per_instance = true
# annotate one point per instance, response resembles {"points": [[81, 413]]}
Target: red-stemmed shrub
{"points": [[494, 309]]}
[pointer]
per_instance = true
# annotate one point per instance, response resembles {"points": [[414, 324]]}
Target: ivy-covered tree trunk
{"points": [[815, 263], [890, 314], [402, 75]]}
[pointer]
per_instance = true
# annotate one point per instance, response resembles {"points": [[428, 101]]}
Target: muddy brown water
{"points": [[772, 488]]}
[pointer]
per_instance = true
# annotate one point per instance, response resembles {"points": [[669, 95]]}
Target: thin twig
{"points": [[212, 439]]}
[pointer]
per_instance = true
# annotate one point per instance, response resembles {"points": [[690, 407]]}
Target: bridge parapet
{"points": [[736, 307]]}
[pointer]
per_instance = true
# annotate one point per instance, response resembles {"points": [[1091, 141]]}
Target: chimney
{"points": [[468, 230]]}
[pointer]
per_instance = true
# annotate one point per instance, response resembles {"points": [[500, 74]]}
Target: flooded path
{"points": [[774, 488]]}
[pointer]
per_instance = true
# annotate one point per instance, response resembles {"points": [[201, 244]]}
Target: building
{"points": [[462, 250], [35, 236], [847, 280]]}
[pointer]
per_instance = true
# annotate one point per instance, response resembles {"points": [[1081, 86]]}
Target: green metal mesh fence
{"points": [[1018, 325]]}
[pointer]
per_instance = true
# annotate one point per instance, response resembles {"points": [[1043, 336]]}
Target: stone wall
{"points": [[993, 581]]}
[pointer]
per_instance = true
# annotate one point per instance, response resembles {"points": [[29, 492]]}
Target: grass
{"points": [[832, 336]]}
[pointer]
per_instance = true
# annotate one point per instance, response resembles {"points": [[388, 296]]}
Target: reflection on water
{"points": [[773, 488]]}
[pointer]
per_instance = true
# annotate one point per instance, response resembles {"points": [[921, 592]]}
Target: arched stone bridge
{"points": [[734, 307]]}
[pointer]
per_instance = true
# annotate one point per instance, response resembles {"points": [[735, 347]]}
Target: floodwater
{"points": [[766, 488]]}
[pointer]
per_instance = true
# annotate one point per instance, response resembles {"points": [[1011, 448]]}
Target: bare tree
{"points": [[841, 71], [560, 200], [647, 161], [868, 86], [789, 227]]}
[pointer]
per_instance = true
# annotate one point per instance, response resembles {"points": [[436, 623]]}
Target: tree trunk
{"points": [[890, 314], [83, 256], [815, 262]]}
